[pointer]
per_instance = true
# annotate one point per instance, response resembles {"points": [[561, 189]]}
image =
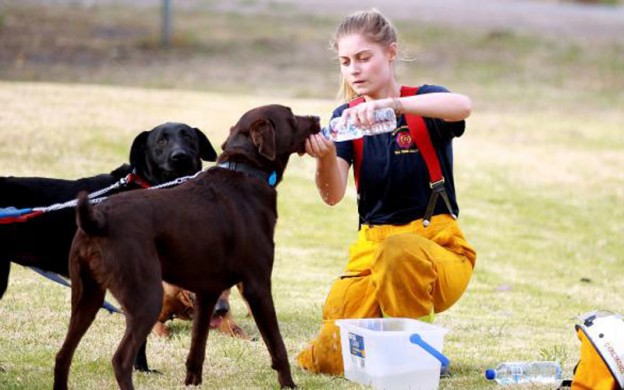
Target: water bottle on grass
{"points": [[540, 372], [385, 121]]}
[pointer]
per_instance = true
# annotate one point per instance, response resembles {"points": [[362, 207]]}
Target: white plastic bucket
{"points": [[392, 353]]}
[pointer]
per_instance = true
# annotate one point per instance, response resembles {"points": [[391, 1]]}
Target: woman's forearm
{"points": [[451, 107], [331, 171], [331, 178]]}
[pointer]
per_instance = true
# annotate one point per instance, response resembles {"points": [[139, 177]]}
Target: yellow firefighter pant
{"points": [[393, 271]]}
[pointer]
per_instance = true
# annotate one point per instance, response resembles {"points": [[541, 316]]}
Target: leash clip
{"points": [[125, 180]]}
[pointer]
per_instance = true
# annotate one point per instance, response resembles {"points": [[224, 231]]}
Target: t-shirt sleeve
{"points": [[443, 130]]}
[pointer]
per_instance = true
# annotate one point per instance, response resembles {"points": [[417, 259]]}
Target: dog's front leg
{"points": [[263, 310], [204, 305]]}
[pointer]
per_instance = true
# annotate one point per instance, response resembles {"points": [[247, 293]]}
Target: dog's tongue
{"points": [[215, 322]]}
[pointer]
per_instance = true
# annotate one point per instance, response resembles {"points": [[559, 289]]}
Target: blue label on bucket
{"points": [[356, 344]]}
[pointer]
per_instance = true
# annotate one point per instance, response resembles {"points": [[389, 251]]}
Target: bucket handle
{"points": [[416, 339]]}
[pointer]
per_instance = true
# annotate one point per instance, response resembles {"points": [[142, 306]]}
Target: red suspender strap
{"points": [[419, 133], [358, 147]]}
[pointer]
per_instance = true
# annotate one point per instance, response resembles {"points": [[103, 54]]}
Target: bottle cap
{"points": [[490, 374]]}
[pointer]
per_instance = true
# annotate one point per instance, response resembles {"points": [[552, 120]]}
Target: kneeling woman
{"points": [[410, 258]]}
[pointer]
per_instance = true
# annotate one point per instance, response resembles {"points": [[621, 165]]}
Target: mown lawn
{"points": [[539, 176]]}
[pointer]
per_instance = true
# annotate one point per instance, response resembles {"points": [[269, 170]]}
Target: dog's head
{"points": [[266, 136], [177, 303], [169, 151], [186, 304]]}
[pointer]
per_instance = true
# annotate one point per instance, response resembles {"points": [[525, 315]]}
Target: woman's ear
{"points": [[392, 51]]}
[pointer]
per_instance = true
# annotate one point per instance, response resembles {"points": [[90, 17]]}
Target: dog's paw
{"points": [[237, 331], [160, 329], [150, 372], [231, 328], [288, 385], [192, 379]]}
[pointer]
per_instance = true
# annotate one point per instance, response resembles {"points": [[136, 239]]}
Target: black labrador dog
{"points": [[204, 235], [157, 156]]}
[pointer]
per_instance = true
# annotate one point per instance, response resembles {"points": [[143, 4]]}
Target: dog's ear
{"points": [[206, 151], [137, 152], [263, 136], [186, 298], [228, 138]]}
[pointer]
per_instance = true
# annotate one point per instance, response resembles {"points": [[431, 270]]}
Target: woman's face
{"points": [[367, 66]]}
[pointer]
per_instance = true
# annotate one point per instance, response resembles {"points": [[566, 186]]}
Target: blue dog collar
{"points": [[269, 178], [272, 179]]}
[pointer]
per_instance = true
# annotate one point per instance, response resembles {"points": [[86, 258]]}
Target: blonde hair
{"points": [[374, 26]]}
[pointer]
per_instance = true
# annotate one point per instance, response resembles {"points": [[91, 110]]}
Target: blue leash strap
{"points": [[60, 280], [12, 212], [52, 276]]}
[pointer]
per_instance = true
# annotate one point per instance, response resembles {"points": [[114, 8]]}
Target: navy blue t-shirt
{"points": [[394, 180]]}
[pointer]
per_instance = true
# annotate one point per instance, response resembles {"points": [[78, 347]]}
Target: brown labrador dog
{"points": [[177, 303], [204, 235]]}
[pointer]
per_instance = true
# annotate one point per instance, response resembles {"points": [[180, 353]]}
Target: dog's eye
{"points": [[162, 142]]}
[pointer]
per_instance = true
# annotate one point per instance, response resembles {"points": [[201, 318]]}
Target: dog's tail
{"points": [[88, 219]]}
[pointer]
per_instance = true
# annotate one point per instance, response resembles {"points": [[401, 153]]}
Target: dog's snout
{"points": [[316, 123], [222, 307], [179, 156]]}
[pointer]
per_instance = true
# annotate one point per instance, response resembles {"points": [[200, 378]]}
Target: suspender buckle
{"points": [[437, 189], [437, 186]]}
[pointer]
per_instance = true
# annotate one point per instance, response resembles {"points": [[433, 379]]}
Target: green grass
{"points": [[541, 209], [538, 174]]}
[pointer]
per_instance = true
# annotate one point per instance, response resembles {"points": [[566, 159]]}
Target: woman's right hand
{"points": [[318, 146]]}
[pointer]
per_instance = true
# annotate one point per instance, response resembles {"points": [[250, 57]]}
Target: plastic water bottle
{"points": [[542, 372], [385, 121]]}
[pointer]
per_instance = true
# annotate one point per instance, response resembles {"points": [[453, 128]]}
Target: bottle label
{"points": [[338, 133], [547, 372], [358, 352]]}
